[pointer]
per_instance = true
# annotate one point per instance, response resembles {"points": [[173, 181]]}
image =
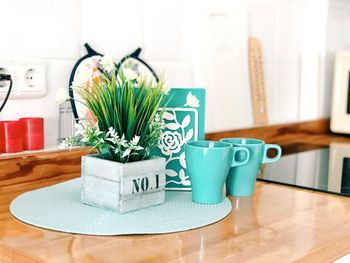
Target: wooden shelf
{"points": [[54, 149]]}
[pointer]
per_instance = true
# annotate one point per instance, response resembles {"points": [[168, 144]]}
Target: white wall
{"points": [[202, 44], [48, 30]]}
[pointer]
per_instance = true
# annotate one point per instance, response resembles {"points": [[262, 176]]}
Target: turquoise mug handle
{"points": [[274, 159], [236, 150]]}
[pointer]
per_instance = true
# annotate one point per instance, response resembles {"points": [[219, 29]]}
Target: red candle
{"points": [[11, 136], [2, 138], [33, 133]]}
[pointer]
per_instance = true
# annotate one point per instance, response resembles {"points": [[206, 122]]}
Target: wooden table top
{"points": [[277, 224]]}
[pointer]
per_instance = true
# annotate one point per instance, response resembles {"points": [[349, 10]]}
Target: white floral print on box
{"points": [[178, 132], [183, 122]]}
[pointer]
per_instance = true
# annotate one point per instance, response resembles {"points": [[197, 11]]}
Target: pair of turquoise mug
{"points": [[235, 161]]}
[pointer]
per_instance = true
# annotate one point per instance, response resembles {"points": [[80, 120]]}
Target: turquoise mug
{"points": [[208, 164], [241, 180]]}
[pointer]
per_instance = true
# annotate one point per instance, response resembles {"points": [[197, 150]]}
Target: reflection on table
{"points": [[325, 169]]}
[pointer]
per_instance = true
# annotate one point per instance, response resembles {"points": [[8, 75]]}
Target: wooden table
{"points": [[277, 224]]}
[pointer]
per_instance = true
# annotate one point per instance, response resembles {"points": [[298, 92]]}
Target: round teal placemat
{"points": [[58, 207]]}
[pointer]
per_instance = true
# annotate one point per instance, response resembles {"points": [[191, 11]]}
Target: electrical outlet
{"points": [[28, 76], [4, 83], [6, 67], [32, 78]]}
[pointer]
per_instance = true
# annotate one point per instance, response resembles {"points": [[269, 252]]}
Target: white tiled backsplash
{"points": [[196, 43]]}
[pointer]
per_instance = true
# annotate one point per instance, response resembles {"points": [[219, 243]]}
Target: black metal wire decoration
{"points": [[135, 55], [90, 53]]}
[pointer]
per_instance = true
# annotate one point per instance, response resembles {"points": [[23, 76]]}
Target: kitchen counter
{"points": [[278, 223]]}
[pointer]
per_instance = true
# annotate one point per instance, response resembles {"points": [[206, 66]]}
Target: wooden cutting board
{"points": [[257, 82]]}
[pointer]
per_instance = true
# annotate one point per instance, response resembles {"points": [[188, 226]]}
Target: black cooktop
{"points": [[325, 170]]}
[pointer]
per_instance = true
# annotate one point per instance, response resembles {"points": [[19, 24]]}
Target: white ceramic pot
{"points": [[122, 187]]}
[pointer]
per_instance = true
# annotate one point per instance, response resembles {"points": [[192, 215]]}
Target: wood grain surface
{"points": [[22, 170], [280, 133], [277, 224]]}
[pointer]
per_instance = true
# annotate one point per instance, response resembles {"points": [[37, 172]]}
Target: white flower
{"points": [[82, 76], [192, 101], [133, 144], [107, 63], [129, 74], [166, 88], [111, 132], [61, 95], [135, 140], [123, 142], [171, 142]]}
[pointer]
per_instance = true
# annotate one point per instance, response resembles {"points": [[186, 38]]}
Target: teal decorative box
{"points": [[184, 121]]}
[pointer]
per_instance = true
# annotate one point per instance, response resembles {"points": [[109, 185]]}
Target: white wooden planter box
{"points": [[122, 187]]}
